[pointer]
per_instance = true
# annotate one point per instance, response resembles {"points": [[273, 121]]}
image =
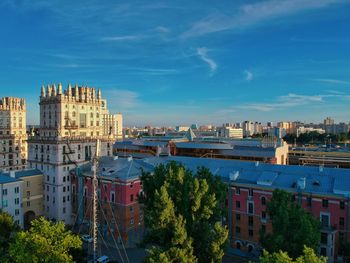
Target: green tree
{"points": [[8, 229], [182, 211], [308, 256], [286, 216], [44, 242]]}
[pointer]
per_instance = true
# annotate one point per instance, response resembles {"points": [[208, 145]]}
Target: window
{"points": [[238, 191], [64, 199], [64, 210], [4, 203], [238, 204], [250, 193], [263, 200], [342, 205], [4, 191], [263, 215], [28, 194], [238, 230], [250, 221], [341, 221], [131, 185], [17, 212], [250, 232], [47, 198], [16, 190], [325, 220], [64, 178], [17, 201], [131, 209], [309, 201], [325, 203], [324, 238], [28, 203], [131, 221], [112, 197], [250, 208], [238, 217], [131, 198], [323, 251], [64, 189]]}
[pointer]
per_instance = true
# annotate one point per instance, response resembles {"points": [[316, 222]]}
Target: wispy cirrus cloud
{"points": [[332, 81], [252, 14], [123, 38], [122, 99], [248, 75], [202, 52], [286, 101]]}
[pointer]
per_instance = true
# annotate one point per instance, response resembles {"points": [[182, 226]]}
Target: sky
{"points": [[182, 62]]}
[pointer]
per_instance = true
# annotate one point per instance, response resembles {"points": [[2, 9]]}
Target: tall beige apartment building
{"points": [[13, 144], [71, 121]]}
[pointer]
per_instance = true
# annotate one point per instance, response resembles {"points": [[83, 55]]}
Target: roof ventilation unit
{"points": [[301, 183], [234, 176]]}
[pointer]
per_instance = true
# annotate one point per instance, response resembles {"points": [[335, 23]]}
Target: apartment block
{"points": [[71, 121], [13, 144]]}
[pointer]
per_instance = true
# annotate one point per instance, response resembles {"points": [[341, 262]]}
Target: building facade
{"points": [[119, 185], [13, 144], [71, 121], [11, 196]]}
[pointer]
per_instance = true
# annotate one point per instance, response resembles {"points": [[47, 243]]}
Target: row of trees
{"points": [[315, 137], [183, 213], [43, 242]]}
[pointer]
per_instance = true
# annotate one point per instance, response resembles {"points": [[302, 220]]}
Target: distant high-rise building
{"points": [[328, 121], [71, 121], [13, 137]]}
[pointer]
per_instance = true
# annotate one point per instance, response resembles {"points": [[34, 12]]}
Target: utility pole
{"points": [[94, 200]]}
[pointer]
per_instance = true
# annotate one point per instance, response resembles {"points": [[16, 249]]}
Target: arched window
{"points": [[263, 200]]}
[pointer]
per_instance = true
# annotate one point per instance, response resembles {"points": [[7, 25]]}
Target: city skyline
{"points": [[248, 60]]}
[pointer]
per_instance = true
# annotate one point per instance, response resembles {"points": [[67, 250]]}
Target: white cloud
{"points": [[162, 29], [252, 14], [121, 99], [286, 101], [333, 81], [248, 75], [122, 38], [202, 53]]}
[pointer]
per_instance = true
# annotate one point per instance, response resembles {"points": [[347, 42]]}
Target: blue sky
{"points": [[183, 62]]}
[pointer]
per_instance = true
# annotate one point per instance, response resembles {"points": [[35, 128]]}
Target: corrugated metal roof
{"points": [[322, 181], [5, 179], [196, 145]]}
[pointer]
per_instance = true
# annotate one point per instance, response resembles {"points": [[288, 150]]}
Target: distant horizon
{"points": [[169, 63]]}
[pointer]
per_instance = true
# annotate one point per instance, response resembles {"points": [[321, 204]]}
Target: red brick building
{"points": [[118, 188]]}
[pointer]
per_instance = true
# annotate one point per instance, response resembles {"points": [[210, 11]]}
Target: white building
{"points": [[303, 129], [71, 121], [11, 196], [230, 132], [13, 137]]}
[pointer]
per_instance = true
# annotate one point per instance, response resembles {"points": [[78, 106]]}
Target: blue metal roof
{"points": [[26, 173], [5, 179], [318, 180], [199, 145]]}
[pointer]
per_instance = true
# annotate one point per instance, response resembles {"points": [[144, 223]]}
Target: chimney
{"points": [[12, 174]]}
